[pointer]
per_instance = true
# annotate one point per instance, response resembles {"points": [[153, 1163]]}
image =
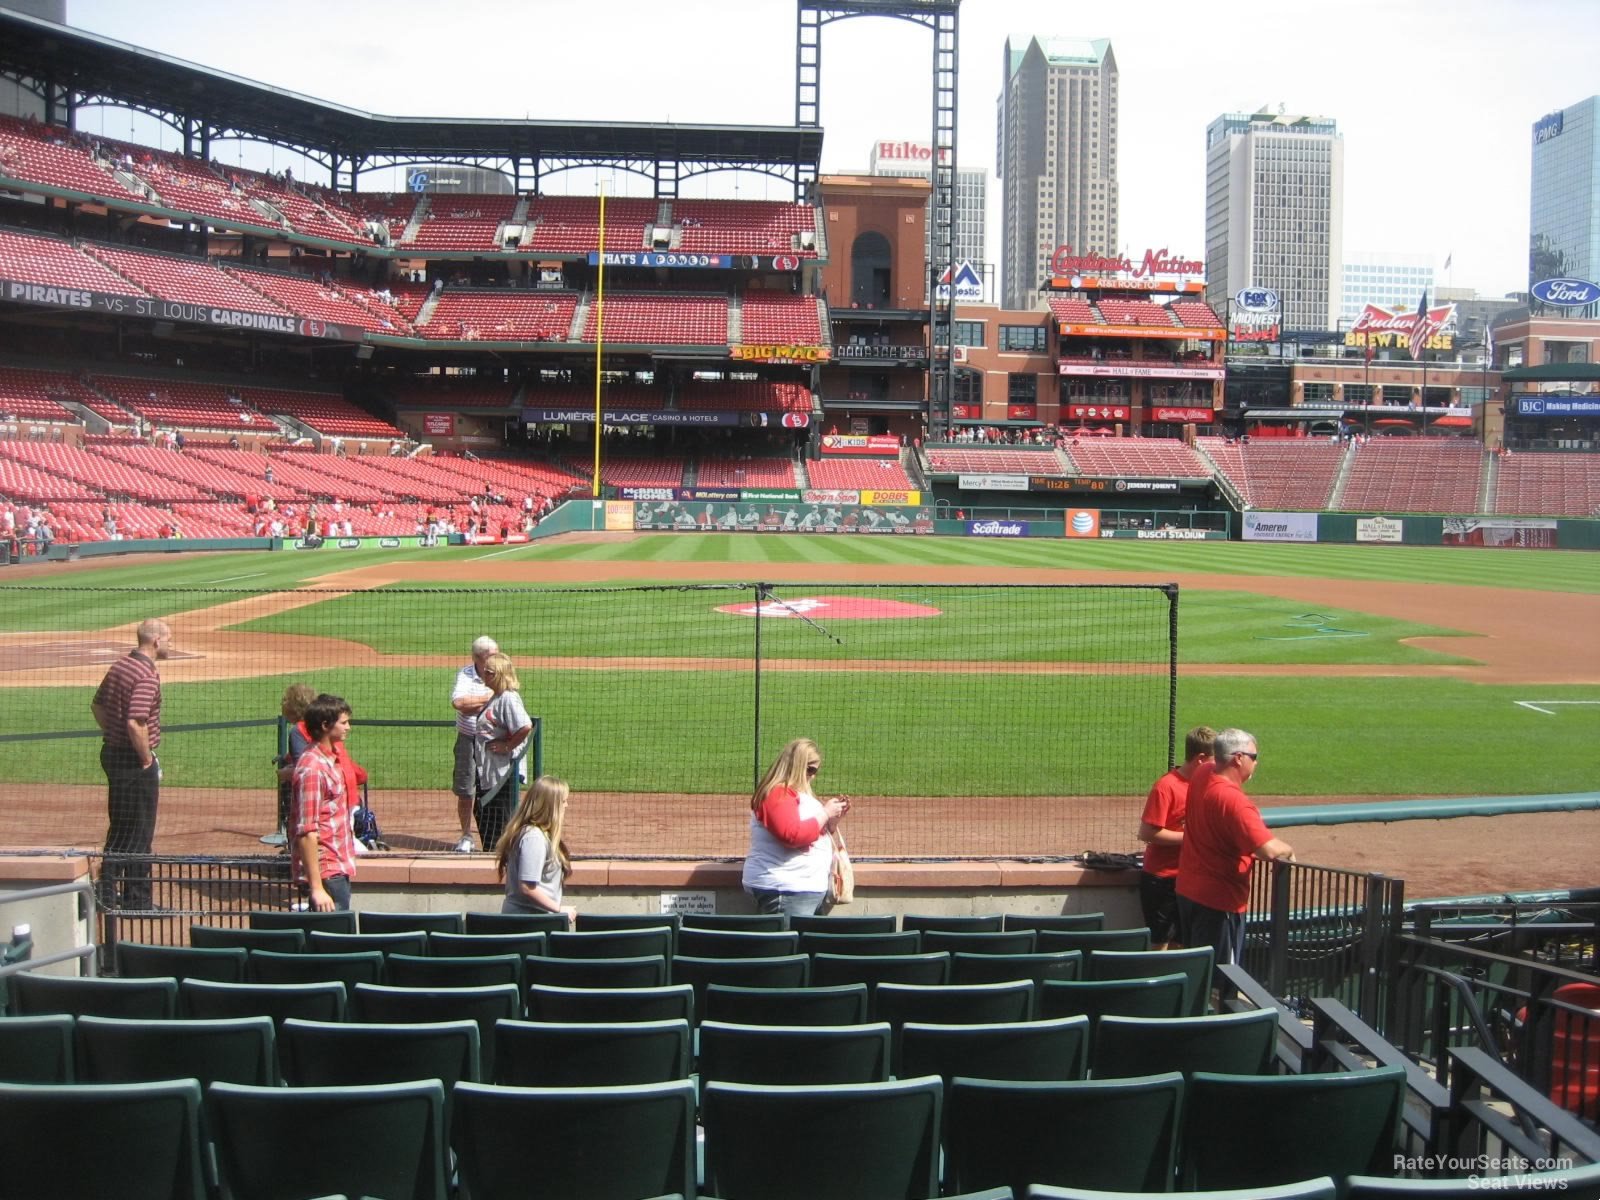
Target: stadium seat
{"points": [[644, 971], [203, 1000], [320, 941], [579, 1131], [909, 942], [217, 937], [674, 1002], [727, 943], [1067, 921], [883, 923], [1016, 941], [798, 1055], [1091, 940], [1036, 1050], [1158, 996], [997, 968], [1232, 1043], [408, 970], [783, 971], [339, 1054], [36, 1049], [269, 966], [588, 922], [384, 1139], [135, 1141], [873, 969], [33, 994], [1194, 964], [739, 922], [611, 943], [1117, 1136], [1336, 1124], [844, 1004], [397, 922], [235, 1050], [590, 1054], [929, 923], [951, 1004], [467, 945], [412, 1006], [880, 1139], [495, 922], [135, 961], [330, 922]]}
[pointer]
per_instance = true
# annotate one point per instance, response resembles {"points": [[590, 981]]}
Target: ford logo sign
{"points": [[1566, 293], [1256, 300]]}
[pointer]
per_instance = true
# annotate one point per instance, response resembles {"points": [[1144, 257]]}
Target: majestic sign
{"points": [[1256, 300], [1566, 293], [1380, 327], [1548, 127], [1143, 370], [780, 354], [1064, 263], [968, 282]]}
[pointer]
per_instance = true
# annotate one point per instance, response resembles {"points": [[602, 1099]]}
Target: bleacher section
{"points": [[1403, 474], [190, 185], [1072, 311], [1194, 314], [96, 475], [1291, 474], [618, 471], [308, 298], [54, 157], [702, 395], [501, 314], [746, 473], [34, 258], [1164, 458], [35, 395], [743, 226], [462, 223], [392, 210], [326, 412], [781, 318], [1548, 484], [858, 473], [571, 224], [1133, 312], [664, 318], [21, 480], [180, 403], [181, 278], [962, 460], [209, 477]]}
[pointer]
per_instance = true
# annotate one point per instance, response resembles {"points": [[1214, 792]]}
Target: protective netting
{"points": [[965, 721]]}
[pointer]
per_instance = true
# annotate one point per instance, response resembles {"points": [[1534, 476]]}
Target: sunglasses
{"points": [[1250, 754], [813, 768]]}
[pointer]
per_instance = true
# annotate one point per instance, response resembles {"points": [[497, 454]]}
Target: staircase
{"points": [[580, 318], [425, 313], [272, 214], [514, 226], [1342, 479], [1225, 485], [1488, 483], [822, 232], [418, 214], [735, 319]]}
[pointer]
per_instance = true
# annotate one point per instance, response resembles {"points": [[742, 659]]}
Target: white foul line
{"points": [[498, 553], [1534, 704], [235, 578]]}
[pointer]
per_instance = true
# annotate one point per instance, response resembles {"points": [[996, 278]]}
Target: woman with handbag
{"points": [[790, 862], [503, 729]]}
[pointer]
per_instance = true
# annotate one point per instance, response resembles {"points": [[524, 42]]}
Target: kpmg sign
{"points": [[1548, 127], [1566, 293]]}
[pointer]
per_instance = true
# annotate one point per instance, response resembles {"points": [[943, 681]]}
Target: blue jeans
{"points": [[791, 904]]}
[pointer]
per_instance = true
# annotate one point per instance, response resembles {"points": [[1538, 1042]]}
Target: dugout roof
{"points": [[85, 68]]}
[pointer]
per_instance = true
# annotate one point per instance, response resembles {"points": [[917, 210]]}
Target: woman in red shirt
{"points": [[791, 844]]}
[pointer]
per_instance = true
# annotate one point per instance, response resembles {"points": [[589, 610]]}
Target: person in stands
{"points": [[791, 845]]}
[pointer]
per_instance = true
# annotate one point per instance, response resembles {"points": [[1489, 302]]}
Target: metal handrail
{"points": [[77, 952]]}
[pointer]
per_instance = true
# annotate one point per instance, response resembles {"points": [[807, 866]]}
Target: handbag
{"points": [[842, 879]]}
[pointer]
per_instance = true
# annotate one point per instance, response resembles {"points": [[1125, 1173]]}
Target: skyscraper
{"points": [[1388, 280], [1565, 217], [1057, 145], [1275, 213], [972, 186]]}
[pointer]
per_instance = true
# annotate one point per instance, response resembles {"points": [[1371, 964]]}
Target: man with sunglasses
{"points": [[1223, 836]]}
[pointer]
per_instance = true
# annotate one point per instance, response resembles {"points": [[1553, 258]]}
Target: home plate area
{"points": [[837, 608]]}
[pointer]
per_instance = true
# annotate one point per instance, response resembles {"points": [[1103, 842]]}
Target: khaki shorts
{"points": [[464, 779]]}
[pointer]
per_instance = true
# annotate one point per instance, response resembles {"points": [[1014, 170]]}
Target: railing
{"points": [[1326, 932], [84, 955]]}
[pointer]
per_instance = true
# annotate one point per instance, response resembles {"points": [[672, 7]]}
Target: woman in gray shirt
{"points": [[531, 858]]}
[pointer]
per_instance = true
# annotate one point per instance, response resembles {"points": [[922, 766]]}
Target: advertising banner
{"points": [[1199, 416], [1521, 533], [647, 258], [780, 354], [619, 516], [1061, 483], [800, 517], [1379, 529], [1165, 535], [1558, 406], [1142, 370], [1083, 522], [705, 493], [63, 295], [882, 497], [853, 443], [620, 416], [992, 483], [831, 496], [999, 529], [1099, 412], [782, 494], [1280, 527], [439, 424], [1382, 327], [1566, 293], [648, 493]]}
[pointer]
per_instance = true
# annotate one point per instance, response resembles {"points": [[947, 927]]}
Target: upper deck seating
{"points": [[1405, 474], [54, 156], [326, 412], [780, 317], [1000, 460], [745, 472], [501, 315], [392, 210], [1133, 312], [191, 185], [744, 395], [311, 216], [625, 471], [462, 222], [858, 473], [1548, 484], [181, 278], [1279, 473], [1195, 313], [1071, 310], [664, 318], [179, 402], [35, 395], [308, 298], [103, 474], [35, 258], [743, 226], [409, 298], [571, 224], [1163, 457]]}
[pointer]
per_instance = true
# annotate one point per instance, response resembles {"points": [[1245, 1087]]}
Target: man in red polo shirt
{"points": [[1161, 830], [1223, 835], [127, 707], [323, 845]]}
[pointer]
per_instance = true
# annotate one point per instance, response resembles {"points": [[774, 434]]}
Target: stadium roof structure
{"points": [[1553, 373], [71, 68]]}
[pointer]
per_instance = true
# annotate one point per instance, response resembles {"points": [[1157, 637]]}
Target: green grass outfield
{"points": [[1320, 736]]}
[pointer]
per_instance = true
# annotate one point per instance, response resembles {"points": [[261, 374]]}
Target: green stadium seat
{"points": [[629, 922], [645, 971], [1091, 940], [586, 1054], [783, 971], [1194, 964], [202, 1000], [727, 943], [738, 922], [466, 945], [499, 922], [36, 1049], [221, 965], [269, 966], [1073, 921], [232, 1050], [217, 937], [1017, 941], [826, 942], [381, 1005], [611, 1005], [1014, 1050], [1232, 1043], [873, 969], [936, 923], [409, 970], [794, 1054], [33, 994], [398, 922], [338, 1054], [613, 943], [843, 1004], [997, 968], [881, 923], [1160, 996], [413, 941], [330, 922]]}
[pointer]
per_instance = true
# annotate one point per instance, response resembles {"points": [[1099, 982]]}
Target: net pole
{"points": [[599, 336], [755, 741], [1172, 673]]}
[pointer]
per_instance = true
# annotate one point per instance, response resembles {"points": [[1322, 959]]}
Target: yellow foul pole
{"points": [[599, 336]]}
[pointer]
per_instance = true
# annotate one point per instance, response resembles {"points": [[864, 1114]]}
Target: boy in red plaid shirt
{"points": [[323, 846]]}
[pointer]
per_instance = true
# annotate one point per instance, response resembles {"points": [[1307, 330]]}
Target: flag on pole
{"points": [[1448, 258], [1419, 328]]}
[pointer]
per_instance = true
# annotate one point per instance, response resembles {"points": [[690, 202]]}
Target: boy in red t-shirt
{"points": [[1161, 830]]}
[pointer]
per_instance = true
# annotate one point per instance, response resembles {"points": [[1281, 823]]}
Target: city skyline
{"points": [[1438, 163]]}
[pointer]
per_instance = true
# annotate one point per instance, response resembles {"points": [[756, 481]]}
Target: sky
{"points": [[1435, 100]]}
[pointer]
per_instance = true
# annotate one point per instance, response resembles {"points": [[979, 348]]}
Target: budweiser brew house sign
{"points": [[1393, 328]]}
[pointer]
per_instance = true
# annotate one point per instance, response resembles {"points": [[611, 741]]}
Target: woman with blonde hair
{"points": [[791, 842], [503, 729], [297, 697], [531, 857]]}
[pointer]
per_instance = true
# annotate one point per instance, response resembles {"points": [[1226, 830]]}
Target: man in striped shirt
{"points": [[127, 707], [323, 845]]}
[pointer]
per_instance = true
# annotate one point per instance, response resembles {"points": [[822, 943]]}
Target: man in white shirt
{"points": [[469, 697]]}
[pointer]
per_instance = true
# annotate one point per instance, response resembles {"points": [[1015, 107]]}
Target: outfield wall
{"points": [[1422, 529]]}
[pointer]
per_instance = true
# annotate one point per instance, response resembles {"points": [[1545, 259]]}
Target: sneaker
{"points": [[464, 846]]}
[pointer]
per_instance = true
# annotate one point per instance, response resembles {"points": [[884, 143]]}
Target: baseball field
{"points": [[972, 701]]}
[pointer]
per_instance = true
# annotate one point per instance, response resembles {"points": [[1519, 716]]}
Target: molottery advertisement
{"points": [[1280, 527], [698, 517]]}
